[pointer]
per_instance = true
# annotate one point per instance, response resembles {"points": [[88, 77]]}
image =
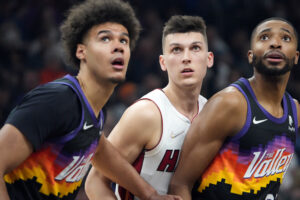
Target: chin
{"points": [[272, 69], [190, 84], [117, 80]]}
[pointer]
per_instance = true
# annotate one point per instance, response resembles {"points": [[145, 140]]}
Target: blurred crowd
{"points": [[31, 52]]}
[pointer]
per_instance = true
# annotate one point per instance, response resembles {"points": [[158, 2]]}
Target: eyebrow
{"points": [[265, 30], [286, 30], [177, 44], [109, 32], [269, 29]]}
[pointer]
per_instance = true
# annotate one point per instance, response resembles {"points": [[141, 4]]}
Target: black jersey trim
{"points": [[247, 124], [267, 114], [97, 123]]}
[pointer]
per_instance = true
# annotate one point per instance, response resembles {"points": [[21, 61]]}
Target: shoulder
{"points": [[54, 97], [143, 110], [46, 97], [229, 98], [46, 111], [156, 94], [227, 108], [140, 121], [141, 118], [57, 100], [50, 92]]}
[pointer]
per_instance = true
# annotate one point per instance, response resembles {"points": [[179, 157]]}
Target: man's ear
{"points": [[250, 56], [210, 59], [81, 51], [162, 63]]}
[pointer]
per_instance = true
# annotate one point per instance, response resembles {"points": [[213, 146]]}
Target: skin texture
{"points": [[103, 44], [204, 138], [99, 73], [107, 43], [142, 120]]}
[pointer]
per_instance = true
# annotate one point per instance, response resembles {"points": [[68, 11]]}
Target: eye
{"points": [[264, 37], [176, 50], [286, 38], [124, 41], [105, 39], [196, 48]]}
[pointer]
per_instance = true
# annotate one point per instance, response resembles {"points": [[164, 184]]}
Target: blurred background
{"points": [[31, 52]]}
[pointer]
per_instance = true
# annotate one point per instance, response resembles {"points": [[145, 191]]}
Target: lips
{"points": [[274, 56], [118, 63], [187, 70]]}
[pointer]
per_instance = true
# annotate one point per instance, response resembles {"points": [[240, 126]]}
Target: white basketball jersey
{"points": [[157, 165]]}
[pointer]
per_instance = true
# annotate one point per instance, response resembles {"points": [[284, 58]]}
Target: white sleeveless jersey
{"points": [[157, 165]]}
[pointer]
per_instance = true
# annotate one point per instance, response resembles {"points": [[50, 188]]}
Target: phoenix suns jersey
{"points": [[251, 165], [157, 165], [56, 168]]}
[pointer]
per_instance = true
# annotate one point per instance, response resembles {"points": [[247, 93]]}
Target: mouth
{"points": [[118, 63], [274, 57], [187, 71]]}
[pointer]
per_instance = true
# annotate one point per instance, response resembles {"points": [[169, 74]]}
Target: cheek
{"points": [[291, 53], [172, 61], [259, 49], [202, 60], [127, 57], [98, 53]]}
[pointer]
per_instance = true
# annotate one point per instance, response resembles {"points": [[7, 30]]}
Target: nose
{"points": [[186, 57], [275, 43], [118, 47]]}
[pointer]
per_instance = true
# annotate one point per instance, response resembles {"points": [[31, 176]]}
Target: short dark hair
{"points": [[270, 19], [184, 24], [82, 17]]}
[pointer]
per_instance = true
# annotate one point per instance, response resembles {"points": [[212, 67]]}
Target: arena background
{"points": [[31, 52]]}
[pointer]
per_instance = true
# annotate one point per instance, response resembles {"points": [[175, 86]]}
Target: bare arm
{"points": [[222, 116], [14, 149], [141, 122], [98, 187]]}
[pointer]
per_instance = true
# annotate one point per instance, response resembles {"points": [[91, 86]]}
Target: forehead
{"points": [[184, 38], [109, 26], [275, 25]]}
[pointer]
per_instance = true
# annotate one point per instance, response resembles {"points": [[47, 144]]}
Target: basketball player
{"points": [[242, 142], [151, 131], [50, 138]]}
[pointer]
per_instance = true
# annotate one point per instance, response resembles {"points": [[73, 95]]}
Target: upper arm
{"points": [[222, 116], [14, 148], [138, 128], [46, 112]]}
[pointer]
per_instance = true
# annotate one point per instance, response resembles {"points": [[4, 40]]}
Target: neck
{"points": [[184, 100], [96, 93], [269, 91]]}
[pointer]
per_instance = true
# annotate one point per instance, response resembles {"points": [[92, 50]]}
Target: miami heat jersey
{"points": [[56, 170], [157, 165], [251, 165]]}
